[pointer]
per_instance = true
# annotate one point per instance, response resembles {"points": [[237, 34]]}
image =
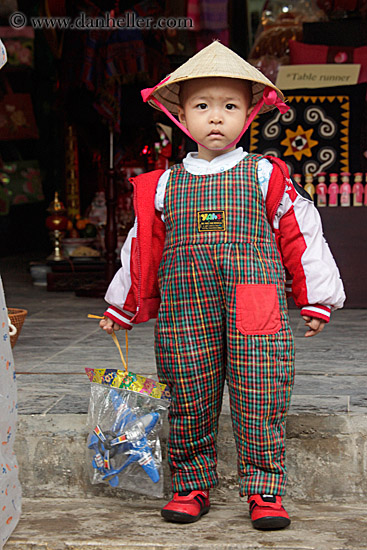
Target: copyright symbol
{"points": [[17, 20]]}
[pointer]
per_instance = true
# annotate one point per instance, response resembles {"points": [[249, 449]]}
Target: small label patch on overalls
{"points": [[211, 220]]}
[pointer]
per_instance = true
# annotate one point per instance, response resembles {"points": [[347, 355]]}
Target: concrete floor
{"points": [[103, 524]]}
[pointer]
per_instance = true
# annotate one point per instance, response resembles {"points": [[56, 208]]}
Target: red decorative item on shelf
{"points": [[333, 190], [321, 190], [357, 189], [345, 189]]}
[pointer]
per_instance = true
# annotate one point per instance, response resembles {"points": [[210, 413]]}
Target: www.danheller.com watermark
{"points": [[130, 20]]}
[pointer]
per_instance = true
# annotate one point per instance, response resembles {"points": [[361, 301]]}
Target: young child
{"points": [[208, 254]]}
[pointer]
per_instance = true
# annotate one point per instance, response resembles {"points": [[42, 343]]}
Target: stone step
{"points": [[326, 457], [109, 523]]}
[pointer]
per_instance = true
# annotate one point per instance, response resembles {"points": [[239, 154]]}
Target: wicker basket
{"points": [[17, 317]]}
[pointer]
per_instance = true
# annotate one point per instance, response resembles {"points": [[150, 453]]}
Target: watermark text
{"points": [[129, 20]]}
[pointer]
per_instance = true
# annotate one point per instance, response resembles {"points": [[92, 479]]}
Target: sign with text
{"points": [[317, 76]]}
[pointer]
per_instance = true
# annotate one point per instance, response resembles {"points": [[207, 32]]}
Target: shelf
{"points": [[345, 229]]}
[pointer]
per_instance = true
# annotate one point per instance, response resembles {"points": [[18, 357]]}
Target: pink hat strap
{"points": [[270, 97], [147, 94], [173, 118]]}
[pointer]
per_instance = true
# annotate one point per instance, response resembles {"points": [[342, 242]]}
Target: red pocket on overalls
{"points": [[257, 309]]}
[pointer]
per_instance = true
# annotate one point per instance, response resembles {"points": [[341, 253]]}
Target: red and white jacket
{"points": [[313, 278]]}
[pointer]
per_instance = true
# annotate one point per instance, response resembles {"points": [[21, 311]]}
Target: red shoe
{"points": [[187, 506], [267, 512]]}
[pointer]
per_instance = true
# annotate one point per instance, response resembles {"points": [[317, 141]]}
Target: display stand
{"points": [[345, 230], [76, 274]]}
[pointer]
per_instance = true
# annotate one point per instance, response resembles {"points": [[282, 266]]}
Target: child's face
{"points": [[214, 110]]}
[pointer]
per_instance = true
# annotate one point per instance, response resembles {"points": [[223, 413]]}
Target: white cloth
{"points": [[3, 55], [10, 490]]}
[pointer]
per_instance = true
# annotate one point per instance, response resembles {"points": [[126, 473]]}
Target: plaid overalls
{"points": [[223, 316]]}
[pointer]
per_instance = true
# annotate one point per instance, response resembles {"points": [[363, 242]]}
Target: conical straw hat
{"points": [[213, 61]]}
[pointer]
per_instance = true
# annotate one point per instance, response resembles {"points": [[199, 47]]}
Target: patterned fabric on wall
{"points": [[321, 132]]}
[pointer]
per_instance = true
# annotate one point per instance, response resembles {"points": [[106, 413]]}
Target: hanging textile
{"points": [[210, 18], [214, 14], [112, 58]]}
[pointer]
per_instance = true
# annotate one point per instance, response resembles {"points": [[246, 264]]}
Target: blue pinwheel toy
{"points": [[127, 440]]}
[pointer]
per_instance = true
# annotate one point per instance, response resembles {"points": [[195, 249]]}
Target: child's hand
{"points": [[108, 325], [315, 325]]}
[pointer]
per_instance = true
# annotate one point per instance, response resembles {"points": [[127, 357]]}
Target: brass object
{"points": [[56, 223]]}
